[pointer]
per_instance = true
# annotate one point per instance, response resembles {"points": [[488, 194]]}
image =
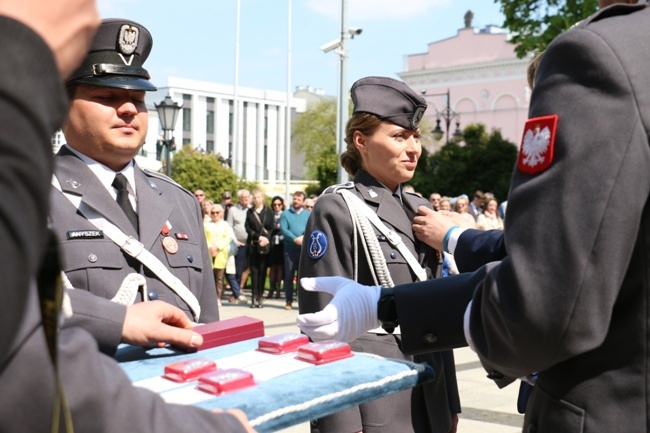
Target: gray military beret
{"points": [[390, 100], [116, 56]]}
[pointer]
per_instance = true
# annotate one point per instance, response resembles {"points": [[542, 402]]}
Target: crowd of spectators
{"points": [[270, 255]]}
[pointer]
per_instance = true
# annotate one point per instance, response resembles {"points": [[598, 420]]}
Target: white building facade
{"points": [[256, 143]]}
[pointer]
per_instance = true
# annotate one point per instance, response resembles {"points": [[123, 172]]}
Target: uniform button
{"points": [[314, 422], [430, 338], [153, 295], [190, 259], [495, 375], [92, 258], [393, 255]]}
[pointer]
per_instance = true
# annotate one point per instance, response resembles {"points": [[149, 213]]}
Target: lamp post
{"points": [[168, 111], [448, 115], [340, 46]]}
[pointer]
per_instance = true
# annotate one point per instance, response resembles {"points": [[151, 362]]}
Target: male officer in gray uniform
{"points": [[570, 299], [106, 126], [41, 43]]}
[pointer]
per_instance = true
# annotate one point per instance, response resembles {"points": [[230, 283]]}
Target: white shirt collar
{"points": [[106, 175]]}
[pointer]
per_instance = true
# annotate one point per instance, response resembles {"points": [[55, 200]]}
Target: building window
{"points": [[209, 122], [187, 119], [209, 146]]}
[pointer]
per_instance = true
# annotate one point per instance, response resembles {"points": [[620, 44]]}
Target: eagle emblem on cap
{"points": [[537, 146], [417, 116], [127, 39]]}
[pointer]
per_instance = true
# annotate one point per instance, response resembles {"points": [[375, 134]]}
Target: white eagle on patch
{"points": [[535, 145]]}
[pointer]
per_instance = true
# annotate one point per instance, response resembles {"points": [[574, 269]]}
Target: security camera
{"points": [[336, 43], [354, 31]]}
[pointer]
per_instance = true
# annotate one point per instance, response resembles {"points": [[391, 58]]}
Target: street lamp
{"points": [[168, 111], [448, 115], [340, 46]]}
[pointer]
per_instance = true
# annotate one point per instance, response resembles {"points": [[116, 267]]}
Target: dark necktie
{"points": [[122, 199]]}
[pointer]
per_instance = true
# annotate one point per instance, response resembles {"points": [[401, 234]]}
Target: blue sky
{"points": [[196, 38]]}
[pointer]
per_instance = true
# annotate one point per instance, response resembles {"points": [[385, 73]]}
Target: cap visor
{"points": [[119, 82]]}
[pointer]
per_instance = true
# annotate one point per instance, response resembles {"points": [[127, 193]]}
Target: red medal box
{"points": [[224, 381], [227, 332], [324, 352], [188, 370], [282, 343]]}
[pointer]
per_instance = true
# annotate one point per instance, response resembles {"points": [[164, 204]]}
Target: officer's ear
{"points": [[360, 141]]}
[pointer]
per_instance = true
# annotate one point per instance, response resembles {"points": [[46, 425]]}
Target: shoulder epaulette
{"points": [[165, 178], [334, 188]]}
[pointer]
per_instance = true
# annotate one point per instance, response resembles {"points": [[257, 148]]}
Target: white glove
{"points": [[351, 313]]}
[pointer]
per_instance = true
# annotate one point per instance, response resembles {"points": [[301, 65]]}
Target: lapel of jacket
{"points": [[76, 178], [154, 209], [411, 205], [385, 205]]}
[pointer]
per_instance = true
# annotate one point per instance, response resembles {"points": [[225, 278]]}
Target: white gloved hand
{"points": [[351, 313]]}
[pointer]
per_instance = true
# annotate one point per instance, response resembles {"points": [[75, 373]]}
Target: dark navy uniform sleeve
{"points": [[477, 247]]}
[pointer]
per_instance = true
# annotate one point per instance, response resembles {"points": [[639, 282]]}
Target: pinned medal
{"points": [[317, 245], [170, 245], [182, 236], [538, 144], [166, 228]]}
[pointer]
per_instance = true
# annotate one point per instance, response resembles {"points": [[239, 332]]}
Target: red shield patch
{"points": [[536, 151]]}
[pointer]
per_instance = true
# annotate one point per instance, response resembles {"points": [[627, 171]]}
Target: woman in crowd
{"points": [[490, 218], [217, 233], [383, 147], [276, 257], [259, 223], [461, 206]]}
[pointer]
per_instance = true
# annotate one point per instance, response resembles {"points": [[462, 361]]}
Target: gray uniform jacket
{"points": [[96, 264], [331, 216], [33, 103], [570, 300]]}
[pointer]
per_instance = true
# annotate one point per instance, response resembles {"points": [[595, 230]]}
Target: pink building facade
{"points": [[486, 81]]}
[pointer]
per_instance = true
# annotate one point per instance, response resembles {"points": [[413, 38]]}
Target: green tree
{"points": [[485, 162], [194, 170], [535, 23], [314, 134]]}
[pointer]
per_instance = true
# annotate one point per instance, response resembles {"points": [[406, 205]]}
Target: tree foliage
{"points": [[535, 23], [485, 162], [194, 170], [314, 135]]}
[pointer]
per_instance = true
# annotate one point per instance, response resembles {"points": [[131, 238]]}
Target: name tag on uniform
{"points": [[85, 234]]}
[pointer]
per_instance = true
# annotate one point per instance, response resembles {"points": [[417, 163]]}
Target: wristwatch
{"points": [[386, 310]]}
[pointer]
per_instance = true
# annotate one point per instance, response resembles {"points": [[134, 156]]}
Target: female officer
{"points": [[383, 147]]}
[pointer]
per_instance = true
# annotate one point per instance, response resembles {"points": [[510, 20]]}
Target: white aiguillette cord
{"points": [[393, 238], [134, 248]]}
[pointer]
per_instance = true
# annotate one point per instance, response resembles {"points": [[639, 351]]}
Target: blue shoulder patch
{"points": [[317, 244]]}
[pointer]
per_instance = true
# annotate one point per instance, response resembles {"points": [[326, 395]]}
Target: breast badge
{"points": [[317, 245]]}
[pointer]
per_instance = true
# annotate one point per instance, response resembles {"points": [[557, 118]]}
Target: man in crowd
{"points": [[237, 220], [292, 226]]}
